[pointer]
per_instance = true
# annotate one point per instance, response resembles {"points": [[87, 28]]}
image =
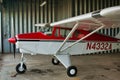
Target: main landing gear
{"points": [[71, 70], [21, 67]]}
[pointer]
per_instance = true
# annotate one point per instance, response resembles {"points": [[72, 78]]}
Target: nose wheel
{"points": [[71, 71], [21, 68]]}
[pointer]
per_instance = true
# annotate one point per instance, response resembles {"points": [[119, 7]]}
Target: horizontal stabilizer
{"points": [[43, 25]]}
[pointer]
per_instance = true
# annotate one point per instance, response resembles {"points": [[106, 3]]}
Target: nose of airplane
{"points": [[12, 40]]}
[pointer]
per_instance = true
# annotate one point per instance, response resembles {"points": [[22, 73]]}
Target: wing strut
{"points": [[71, 32], [83, 37]]}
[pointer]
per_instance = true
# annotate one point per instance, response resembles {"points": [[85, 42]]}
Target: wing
{"points": [[110, 17]]}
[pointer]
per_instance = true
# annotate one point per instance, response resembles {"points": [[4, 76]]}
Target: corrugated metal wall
{"points": [[23, 14]]}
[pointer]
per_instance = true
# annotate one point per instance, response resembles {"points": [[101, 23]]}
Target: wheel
{"points": [[55, 61], [71, 71], [21, 70]]}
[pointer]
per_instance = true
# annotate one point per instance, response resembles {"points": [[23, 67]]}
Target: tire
{"points": [[21, 71], [71, 71], [55, 61]]}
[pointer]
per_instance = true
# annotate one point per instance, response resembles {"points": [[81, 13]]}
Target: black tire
{"points": [[71, 71], [55, 61], [21, 71]]}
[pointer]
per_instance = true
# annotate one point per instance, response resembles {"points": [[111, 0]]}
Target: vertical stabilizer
{"points": [[118, 35]]}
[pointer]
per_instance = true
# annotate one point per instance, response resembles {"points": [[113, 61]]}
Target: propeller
{"points": [[14, 49], [13, 39]]}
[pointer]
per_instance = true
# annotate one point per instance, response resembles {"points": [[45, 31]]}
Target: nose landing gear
{"points": [[21, 68]]}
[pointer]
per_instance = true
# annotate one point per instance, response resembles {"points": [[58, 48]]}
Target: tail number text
{"points": [[99, 46]]}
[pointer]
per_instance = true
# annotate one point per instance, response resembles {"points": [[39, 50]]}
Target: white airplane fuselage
{"points": [[50, 47], [40, 43]]}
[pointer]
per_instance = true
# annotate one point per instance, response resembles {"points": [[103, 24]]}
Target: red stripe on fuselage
{"points": [[42, 36]]}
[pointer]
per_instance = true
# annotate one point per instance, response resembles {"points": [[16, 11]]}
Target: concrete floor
{"points": [[39, 67]]}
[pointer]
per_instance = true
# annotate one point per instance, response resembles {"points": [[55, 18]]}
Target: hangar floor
{"points": [[90, 67]]}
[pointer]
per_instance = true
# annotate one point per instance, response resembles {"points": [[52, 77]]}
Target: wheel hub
{"points": [[72, 71], [55, 61], [21, 68]]}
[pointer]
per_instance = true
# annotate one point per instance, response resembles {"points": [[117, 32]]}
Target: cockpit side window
{"points": [[57, 32], [46, 30], [76, 33], [64, 32], [61, 32]]}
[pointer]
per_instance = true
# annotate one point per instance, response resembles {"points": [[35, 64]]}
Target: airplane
{"points": [[73, 36]]}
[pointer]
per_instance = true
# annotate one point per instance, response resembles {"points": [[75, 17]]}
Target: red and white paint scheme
{"points": [[73, 36]]}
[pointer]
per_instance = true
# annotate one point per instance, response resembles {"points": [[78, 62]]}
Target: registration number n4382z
{"points": [[99, 46]]}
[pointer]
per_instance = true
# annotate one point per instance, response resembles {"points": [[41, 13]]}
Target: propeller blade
{"points": [[14, 49], [13, 41]]}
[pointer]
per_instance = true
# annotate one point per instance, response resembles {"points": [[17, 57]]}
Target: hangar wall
{"points": [[23, 14], [0, 34]]}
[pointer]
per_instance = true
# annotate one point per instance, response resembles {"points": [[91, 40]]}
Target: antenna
{"points": [[42, 4]]}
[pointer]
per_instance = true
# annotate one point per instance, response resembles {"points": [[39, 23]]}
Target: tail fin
{"points": [[118, 35]]}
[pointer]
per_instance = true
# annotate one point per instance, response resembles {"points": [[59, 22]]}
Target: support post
{"points": [[69, 35], [84, 37]]}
